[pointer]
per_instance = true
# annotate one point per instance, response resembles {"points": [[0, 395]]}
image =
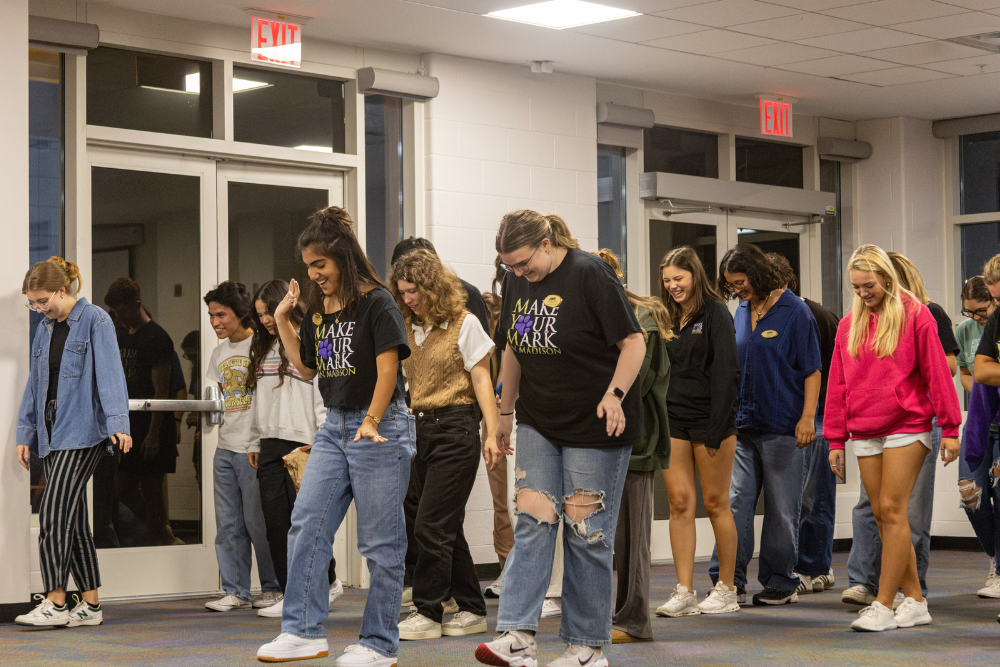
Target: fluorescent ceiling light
{"points": [[239, 85], [171, 90], [192, 84], [562, 14], [317, 149]]}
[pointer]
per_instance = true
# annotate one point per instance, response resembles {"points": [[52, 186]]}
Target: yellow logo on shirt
{"points": [[552, 300], [317, 319], [770, 333]]}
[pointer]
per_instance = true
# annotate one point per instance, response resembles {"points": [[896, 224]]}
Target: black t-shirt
{"points": [[564, 331], [57, 343], [343, 347], [989, 344], [827, 323], [945, 331], [476, 304], [148, 347]]}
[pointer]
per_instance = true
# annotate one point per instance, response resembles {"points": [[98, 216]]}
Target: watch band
{"points": [[617, 393]]}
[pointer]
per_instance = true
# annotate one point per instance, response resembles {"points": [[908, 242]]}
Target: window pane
{"points": [[833, 277], [291, 110], [979, 243], [143, 91], [783, 243], [980, 173], [665, 235], [383, 178], [768, 163], [611, 200], [676, 151]]}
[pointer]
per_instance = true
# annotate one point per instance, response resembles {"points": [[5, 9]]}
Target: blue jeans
{"points": [[375, 476], [772, 463], [984, 514], [864, 565], [239, 521], [819, 499], [559, 472]]}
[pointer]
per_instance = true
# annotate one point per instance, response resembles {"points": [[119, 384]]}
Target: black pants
{"points": [[277, 497], [632, 539], [442, 476]]}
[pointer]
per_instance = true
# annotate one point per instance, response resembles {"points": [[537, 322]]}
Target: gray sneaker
{"points": [[576, 655], [511, 649], [464, 623]]}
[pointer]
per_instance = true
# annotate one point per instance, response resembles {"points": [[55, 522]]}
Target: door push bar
{"points": [[213, 406]]}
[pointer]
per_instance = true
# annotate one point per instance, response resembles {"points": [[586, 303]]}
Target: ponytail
{"points": [[525, 228], [52, 275], [652, 304]]}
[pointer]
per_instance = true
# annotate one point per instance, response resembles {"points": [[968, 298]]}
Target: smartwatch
{"points": [[618, 393]]}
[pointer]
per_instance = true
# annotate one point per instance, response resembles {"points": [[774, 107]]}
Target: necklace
{"points": [[760, 311]]}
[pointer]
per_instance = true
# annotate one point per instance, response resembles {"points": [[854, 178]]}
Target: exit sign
{"points": [[775, 118], [275, 42]]}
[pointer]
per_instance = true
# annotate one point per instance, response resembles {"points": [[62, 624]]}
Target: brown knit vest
{"points": [[435, 371]]}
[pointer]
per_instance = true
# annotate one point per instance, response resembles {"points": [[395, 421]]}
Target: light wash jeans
{"points": [[239, 521], [588, 586], [772, 463], [375, 476], [864, 565], [985, 517], [819, 498]]}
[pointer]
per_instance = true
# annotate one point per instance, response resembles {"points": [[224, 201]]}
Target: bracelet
{"points": [[374, 419], [506, 414]]}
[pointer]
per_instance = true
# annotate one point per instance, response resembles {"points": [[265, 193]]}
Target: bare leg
{"points": [[679, 480], [715, 469], [900, 467]]}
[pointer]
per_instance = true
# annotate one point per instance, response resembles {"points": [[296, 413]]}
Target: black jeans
{"points": [[277, 496], [442, 477]]}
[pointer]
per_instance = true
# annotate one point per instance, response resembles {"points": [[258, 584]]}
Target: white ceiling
{"points": [[849, 59]]}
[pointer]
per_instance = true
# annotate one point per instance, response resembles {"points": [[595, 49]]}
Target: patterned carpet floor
{"points": [[813, 633]]}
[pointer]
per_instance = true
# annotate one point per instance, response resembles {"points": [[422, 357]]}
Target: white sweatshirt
{"points": [[294, 411]]}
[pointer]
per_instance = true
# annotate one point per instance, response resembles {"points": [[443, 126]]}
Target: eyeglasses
{"points": [[520, 266], [737, 286], [42, 305], [981, 313]]}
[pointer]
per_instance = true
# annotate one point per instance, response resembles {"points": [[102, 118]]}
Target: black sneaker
{"points": [[741, 597], [770, 596]]}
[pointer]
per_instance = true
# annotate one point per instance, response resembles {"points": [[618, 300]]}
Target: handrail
{"points": [[213, 405]]}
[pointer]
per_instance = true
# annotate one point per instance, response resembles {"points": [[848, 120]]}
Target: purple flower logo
{"points": [[523, 324], [325, 348]]}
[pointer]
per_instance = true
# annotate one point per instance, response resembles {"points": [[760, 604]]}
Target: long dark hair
{"points": [[270, 293], [687, 259], [751, 260], [331, 234]]}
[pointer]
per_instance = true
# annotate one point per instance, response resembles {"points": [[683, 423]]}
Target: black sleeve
{"points": [[476, 304], [945, 331], [988, 345], [307, 344], [161, 349], [608, 302], [724, 371], [388, 327]]}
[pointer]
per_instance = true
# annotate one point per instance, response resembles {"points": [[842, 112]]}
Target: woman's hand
{"points": [[285, 306], [805, 432], [951, 448], [123, 440], [369, 431], [24, 456], [610, 408], [491, 453], [504, 428], [150, 446], [837, 462], [253, 458]]}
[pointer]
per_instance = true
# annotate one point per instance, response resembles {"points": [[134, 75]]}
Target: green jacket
{"points": [[652, 451]]}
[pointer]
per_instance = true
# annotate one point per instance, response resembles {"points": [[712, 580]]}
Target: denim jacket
{"points": [[92, 399]]}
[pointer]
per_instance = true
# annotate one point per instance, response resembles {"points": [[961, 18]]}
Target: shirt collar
{"points": [[420, 327]]}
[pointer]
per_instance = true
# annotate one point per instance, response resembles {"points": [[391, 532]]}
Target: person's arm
{"points": [[510, 380], [632, 352], [952, 363], [387, 366], [161, 390], [26, 420], [805, 430], [483, 387], [286, 330], [941, 386], [112, 392], [966, 378], [986, 371], [253, 446], [835, 410], [723, 373]]}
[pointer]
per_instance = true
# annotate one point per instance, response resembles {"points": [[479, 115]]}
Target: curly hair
{"points": [[748, 259], [784, 270], [442, 297]]}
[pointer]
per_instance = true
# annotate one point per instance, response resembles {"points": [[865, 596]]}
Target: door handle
{"points": [[212, 404]]}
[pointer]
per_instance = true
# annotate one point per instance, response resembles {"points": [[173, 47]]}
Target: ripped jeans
{"points": [[981, 501], [577, 482]]}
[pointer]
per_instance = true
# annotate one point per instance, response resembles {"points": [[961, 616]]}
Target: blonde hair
{"points": [[991, 270], [526, 228], [52, 275], [893, 314], [909, 276], [442, 297], [655, 307]]}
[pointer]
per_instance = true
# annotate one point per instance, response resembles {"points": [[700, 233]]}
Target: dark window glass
{"points": [[980, 173], [783, 243], [383, 178], [833, 277], [768, 163], [291, 110], [665, 235], [611, 200], [676, 151], [979, 243], [143, 91]]}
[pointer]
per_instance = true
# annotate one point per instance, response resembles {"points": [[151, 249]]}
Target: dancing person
{"points": [[448, 373], [889, 339], [986, 369], [701, 404], [352, 342], [239, 519], [74, 409], [777, 340], [574, 349]]}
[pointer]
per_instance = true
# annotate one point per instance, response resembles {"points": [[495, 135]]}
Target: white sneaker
{"points": [[576, 655], [511, 649], [408, 598], [464, 623], [45, 615], [228, 603], [875, 618], [805, 584], [357, 655], [336, 590], [552, 608], [418, 626], [858, 595], [682, 603], [287, 647], [493, 590], [266, 599], [911, 613], [274, 611], [84, 614], [721, 600], [823, 582], [992, 587]]}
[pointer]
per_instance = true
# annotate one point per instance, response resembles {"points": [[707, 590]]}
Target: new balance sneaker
{"points": [[805, 584], [336, 590], [741, 595], [266, 599], [357, 655], [493, 590], [228, 603], [874, 618], [576, 655], [823, 582], [911, 613], [45, 615], [681, 603], [286, 647], [859, 595], [274, 611], [408, 598], [552, 608], [417, 626], [774, 596], [85, 614], [720, 600], [511, 649], [464, 623]]}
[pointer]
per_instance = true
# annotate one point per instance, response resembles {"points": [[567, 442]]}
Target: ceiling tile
{"points": [[645, 6], [799, 26], [957, 25], [816, 5], [885, 12], [976, 4], [639, 28], [709, 42], [838, 65], [864, 40], [776, 54], [986, 63], [724, 13], [925, 52], [897, 76]]}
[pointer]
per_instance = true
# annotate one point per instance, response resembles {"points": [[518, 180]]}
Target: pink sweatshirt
{"points": [[868, 397]]}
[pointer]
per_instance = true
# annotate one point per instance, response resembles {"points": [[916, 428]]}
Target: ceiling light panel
{"points": [[817, 5], [725, 13], [886, 12], [957, 25], [838, 65], [799, 26], [864, 40], [709, 42], [562, 14]]}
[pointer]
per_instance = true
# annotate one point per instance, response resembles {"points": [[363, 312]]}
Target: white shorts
{"points": [[876, 445]]}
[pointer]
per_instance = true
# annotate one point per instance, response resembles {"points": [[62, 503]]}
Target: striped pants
{"points": [[65, 542]]}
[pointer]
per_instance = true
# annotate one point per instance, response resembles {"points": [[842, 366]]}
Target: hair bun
{"points": [[71, 270]]}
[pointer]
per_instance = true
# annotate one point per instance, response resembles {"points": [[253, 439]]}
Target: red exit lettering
{"points": [[275, 42], [775, 118]]}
